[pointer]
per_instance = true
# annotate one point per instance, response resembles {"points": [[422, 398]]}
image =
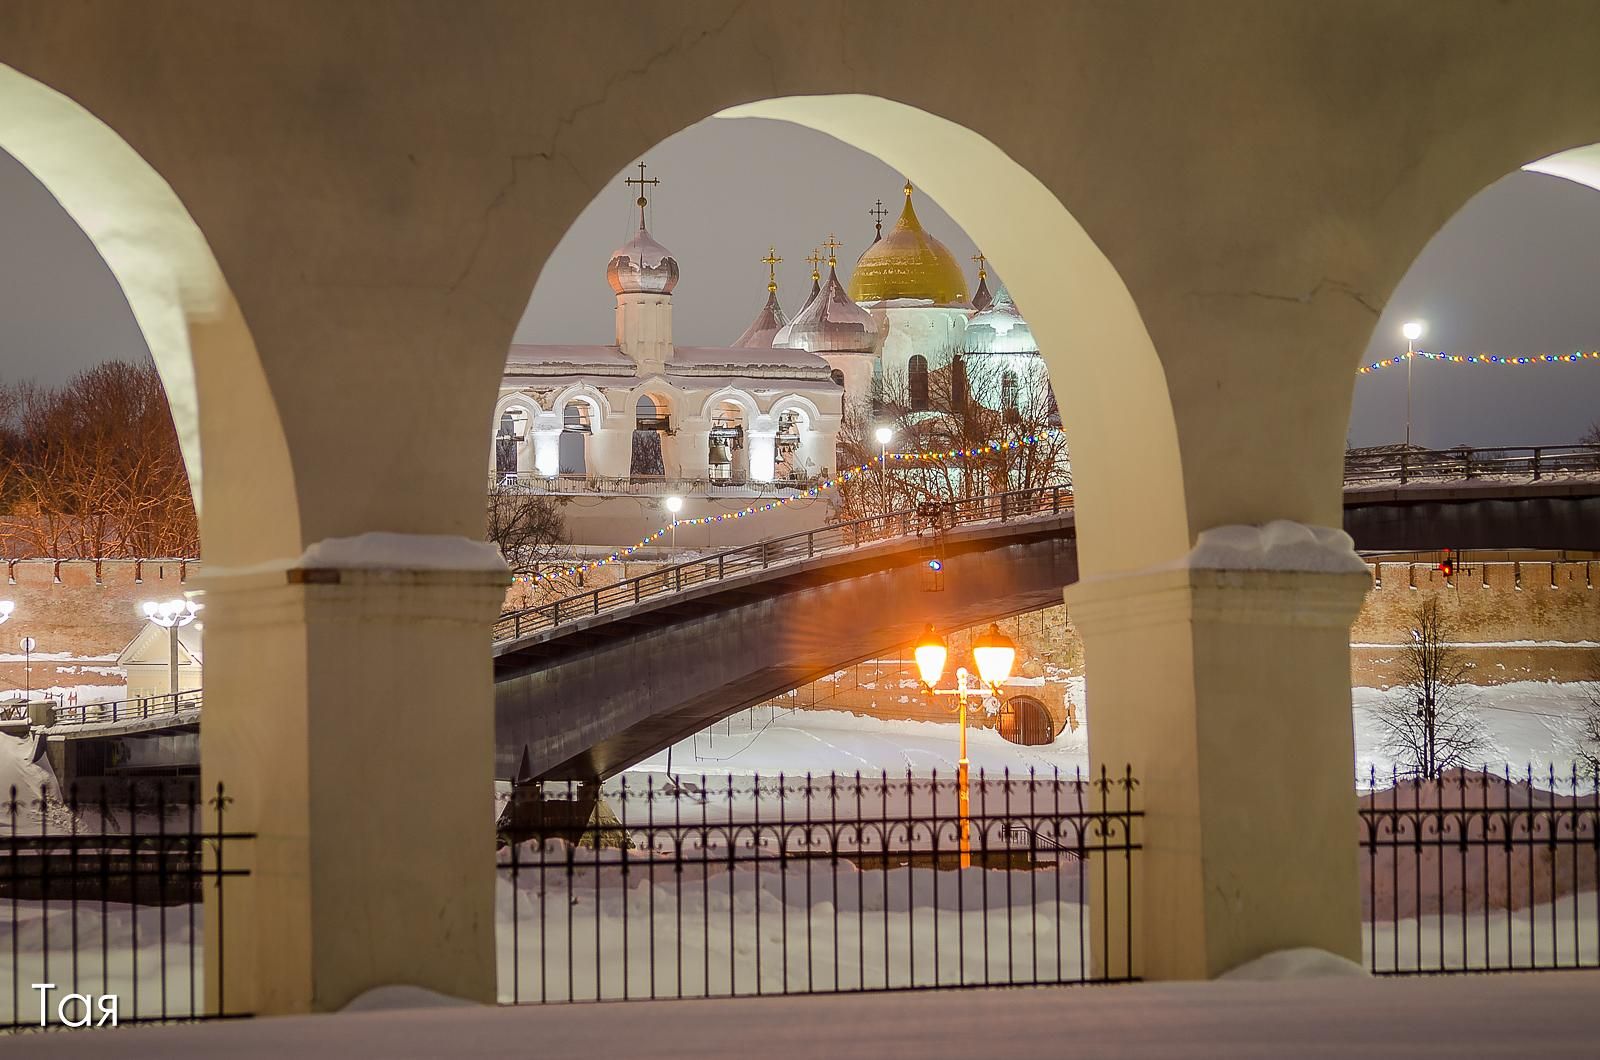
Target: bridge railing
{"points": [[924, 518], [141, 709], [1529, 462]]}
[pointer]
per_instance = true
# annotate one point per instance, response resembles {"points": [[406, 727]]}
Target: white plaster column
{"points": [[761, 437], [693, 448], [545, 441], [1228, 691], [610, 452], [361, 756]]}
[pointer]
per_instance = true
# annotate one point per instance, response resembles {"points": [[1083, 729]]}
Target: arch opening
{"points": [[222, 407]]}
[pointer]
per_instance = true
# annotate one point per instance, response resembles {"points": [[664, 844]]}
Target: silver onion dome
{"points": [[831, 323], [642, 266], [999, 328]]}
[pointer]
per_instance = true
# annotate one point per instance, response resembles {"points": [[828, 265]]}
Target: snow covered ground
{"points": [[1529, 722], [735, 934]]}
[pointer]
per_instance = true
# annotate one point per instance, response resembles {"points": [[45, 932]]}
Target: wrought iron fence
{"points": [[802, 545], [103, 904], [1478, 872], [813, 885]]}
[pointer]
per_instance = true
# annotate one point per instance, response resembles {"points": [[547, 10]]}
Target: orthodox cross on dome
{"points": [[878, 213], [641, 181], [833, 244], [815, 258], [771, 261], [981, 260]]}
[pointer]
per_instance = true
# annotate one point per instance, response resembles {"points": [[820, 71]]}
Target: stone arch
{"points": [[733, 395], [805, 405], [1117, 410], [598, 404], [226, 418], [1485, 149]]}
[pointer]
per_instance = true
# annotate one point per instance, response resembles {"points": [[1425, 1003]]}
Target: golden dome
{"points": [[908, 263]]}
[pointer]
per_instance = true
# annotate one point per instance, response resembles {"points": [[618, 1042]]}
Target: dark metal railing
{"points": [[814, 885], [1532, 462], [1478, 872], [144, 708], [763, 554], [105, 902]]}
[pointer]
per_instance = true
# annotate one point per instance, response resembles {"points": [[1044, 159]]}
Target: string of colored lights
{"points": [[813, 492], [1484, 359], [810, 493]]}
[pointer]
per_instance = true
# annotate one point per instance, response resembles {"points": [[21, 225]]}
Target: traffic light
{"points": [[1447, 566]]}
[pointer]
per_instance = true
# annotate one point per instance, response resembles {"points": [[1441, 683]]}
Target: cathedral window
{"points": [[1009, 394], [917, 380]]}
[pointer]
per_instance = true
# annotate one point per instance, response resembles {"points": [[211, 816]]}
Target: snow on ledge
{"points": [[1281, 545], [380, 550], [1303, 962]]}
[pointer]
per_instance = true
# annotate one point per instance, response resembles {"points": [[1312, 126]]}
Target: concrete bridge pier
{"points": [[360, 757], [1228, 690]]}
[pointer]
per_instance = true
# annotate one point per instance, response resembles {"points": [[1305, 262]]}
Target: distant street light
{"points": [[994, 653], [1412, 330], [174, 615], [884, 435], [674, 506]]}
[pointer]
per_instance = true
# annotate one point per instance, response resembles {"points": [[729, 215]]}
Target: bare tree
{"points": [[1591, 436], [1001, 422], [1586, 743], [1428, 723], [92, 469], [527, 526]]}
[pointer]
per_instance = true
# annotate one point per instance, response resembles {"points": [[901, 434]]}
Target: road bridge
{"points": [[589, 684]]}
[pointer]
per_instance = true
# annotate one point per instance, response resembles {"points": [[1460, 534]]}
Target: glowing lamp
{"points": [[994, 652], [1413, 329], [930, 654], [884, 435], [674, 505], [935, 565]]}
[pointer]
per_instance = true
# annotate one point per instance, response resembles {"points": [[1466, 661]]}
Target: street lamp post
{"points": [[28, 644], [174, 615], [994, 653], [1412, 330], [884, 435], [674, 506]]}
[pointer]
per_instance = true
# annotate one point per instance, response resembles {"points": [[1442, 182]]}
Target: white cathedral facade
{"points": [[765, 412]]}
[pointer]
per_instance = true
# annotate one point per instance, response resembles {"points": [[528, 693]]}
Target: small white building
{"points": [[147, 661]]}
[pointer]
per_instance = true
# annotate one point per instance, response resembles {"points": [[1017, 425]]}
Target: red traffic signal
{"points": [[1447, 566]]}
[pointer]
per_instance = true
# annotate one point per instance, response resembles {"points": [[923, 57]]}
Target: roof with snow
{"points": [[766, 324]]}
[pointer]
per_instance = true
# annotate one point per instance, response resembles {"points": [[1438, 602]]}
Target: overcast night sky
{"points": [[1516, 272]]}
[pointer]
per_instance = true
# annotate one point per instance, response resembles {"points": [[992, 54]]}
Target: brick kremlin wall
{"points": [[88, 612], [85, 611]]}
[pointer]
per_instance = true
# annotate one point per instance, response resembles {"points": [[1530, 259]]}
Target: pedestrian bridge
{"points": [[592, 683]]}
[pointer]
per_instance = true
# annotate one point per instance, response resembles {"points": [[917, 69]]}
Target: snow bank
{"points": [[24, 767], [1303, 962], [386, 551], [1281, 545], [403, 996]]}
